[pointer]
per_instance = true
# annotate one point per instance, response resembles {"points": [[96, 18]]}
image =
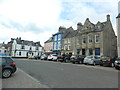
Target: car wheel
{"points": [[6, 73], [117, 68], [80, 62], [73, 62]]}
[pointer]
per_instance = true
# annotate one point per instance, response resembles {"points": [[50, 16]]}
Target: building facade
{"points": [[24, 48], [96, 39], [118, 29], [3, 49], [48, 46]]}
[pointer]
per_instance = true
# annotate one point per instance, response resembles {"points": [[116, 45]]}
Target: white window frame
{"points": [[89, 37], [96, 38], [85, 39]]}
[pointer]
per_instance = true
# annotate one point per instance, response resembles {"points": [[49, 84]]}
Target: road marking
{"points": [[34, 79]]}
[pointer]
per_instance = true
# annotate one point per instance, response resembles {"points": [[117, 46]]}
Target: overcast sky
{"points": [[37, 20]]}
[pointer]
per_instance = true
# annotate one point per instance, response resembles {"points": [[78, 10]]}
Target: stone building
{"points": [[118, 29], [68, 44], [96, 39]]}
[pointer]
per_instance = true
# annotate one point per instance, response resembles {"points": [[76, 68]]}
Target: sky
{"points": [[37, 20]]}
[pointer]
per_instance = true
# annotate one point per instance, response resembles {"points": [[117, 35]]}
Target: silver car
{"points": [[93, 59]]}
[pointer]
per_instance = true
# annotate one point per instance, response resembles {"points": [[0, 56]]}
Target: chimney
{"points": [[79, 26], [108, 17]]}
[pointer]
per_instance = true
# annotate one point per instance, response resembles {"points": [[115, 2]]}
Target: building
{"points": [[58, 39], [48, 46], [24, 48], [69, 42], [3, 49], [118, 29], [96, 39]]}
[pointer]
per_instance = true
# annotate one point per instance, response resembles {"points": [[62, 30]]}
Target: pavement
{"points": [[21, 80]]}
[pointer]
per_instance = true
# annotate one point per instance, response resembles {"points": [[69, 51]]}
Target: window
{"points": [[97, 38], [55, 44], [69, 47], [19, 53], [65, 47], [90, 51], [55, 38], [84, 40], [90, 39], [37, 47], [22, 47], [68, 40], [59, 37], [59, 45], [65, 41]]}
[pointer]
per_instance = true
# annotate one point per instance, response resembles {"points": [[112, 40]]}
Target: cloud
{"points": [[39, 19]]}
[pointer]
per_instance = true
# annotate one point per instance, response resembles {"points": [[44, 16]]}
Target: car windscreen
{"points": [[54, 55], [89, 57]]}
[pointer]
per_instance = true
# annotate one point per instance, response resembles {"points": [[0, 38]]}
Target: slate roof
{"points": [[118, 16], [49, 40], [71, 34], [26, 42]]}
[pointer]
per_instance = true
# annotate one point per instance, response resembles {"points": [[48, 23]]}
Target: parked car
{"points": [[7, 66], [93, 59], [77, 59], [65, 58], [44, 57], [107, 61], [61, 58], [117, 63], [52, 56], [37, 57]]}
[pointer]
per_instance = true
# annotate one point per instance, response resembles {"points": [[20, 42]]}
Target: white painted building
{"points": [[24, 48], [118, 29]]}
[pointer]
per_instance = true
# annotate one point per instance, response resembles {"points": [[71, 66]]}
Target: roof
{"points": [[71, 34], [26, 42], [49, 40], [118, 16]]}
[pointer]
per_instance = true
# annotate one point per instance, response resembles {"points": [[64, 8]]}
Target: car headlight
{"points": [[116, 61]]}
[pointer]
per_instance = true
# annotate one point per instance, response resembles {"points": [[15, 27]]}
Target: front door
{"points": [[83, 51], [97, 51]]}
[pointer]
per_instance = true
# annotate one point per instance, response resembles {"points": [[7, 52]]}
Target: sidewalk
{"points": [[21, 80]]}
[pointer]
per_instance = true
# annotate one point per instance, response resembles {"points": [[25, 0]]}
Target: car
{"points": [[77, 59], [44, 57], [107, 61], [92, 59], [61, 58], [117, 63], [8, 66], [37, 57], [64, 58], [52, 57]]}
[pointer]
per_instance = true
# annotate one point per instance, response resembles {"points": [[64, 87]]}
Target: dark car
{"points": [[67, 58], [117, 63], [61, 58], [107, 61], [77, 59], [8, 66], [37, 57], [44, 57]]}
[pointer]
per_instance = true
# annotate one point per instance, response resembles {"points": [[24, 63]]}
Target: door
{"points": [[83, 51], [97, 51]]}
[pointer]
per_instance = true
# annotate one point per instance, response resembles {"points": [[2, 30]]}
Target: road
{"points": [[67, 75]]}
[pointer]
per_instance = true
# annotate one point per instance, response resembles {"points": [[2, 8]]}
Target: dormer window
{"points": [[30, 48], [37, 48]]}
